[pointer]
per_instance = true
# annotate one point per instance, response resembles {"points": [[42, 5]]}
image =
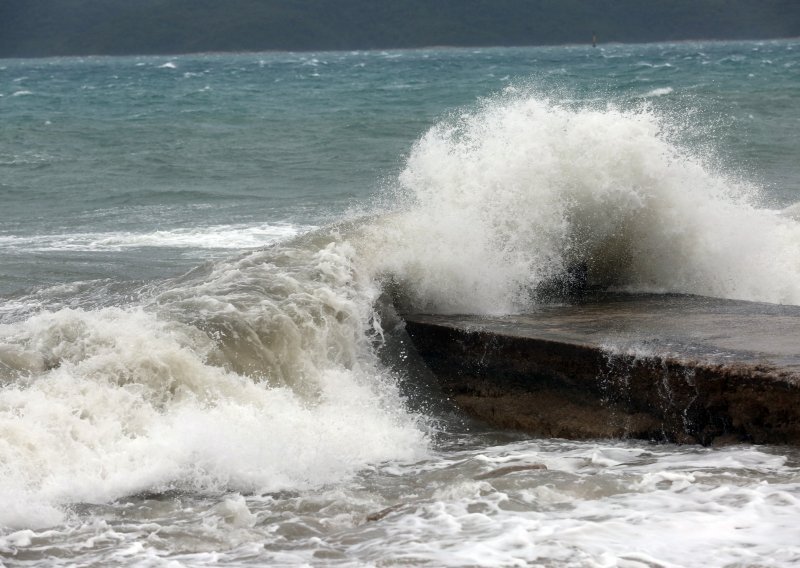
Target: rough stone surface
{"points": [[664, 367]]}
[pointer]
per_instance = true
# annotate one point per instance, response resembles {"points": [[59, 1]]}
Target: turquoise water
{"points": [[199, 362], [139, 145]]}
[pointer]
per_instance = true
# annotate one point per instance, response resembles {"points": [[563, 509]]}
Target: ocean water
{"points": [[200, 361]]}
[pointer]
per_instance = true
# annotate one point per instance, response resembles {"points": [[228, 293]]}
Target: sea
{"points": [[202, 257]]}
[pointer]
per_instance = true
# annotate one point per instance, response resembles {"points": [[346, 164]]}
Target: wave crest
{"points": [[502, 200]]}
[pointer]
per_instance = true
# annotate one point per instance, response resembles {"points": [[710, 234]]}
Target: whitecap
{"points": [[236, 237], [660, 92]]}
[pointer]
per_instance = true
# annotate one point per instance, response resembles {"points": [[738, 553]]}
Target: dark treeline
{"points": [[30, 28]]}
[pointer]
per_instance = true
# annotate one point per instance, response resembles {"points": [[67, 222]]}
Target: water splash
{"points": [[500, 200]]}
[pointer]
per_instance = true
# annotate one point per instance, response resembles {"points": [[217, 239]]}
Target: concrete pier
{"points": [[676, 368]]}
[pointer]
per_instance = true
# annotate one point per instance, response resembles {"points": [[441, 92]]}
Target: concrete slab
{"points": [[667, 367]]}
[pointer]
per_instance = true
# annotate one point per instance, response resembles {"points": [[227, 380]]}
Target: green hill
{"points": [[78, 27]]}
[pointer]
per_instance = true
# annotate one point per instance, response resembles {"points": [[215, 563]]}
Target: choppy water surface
{"points": [[595, 504], [199, 360]]}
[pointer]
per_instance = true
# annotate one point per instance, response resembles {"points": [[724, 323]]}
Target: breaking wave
{"points": [[256, 375], [523, 190], [261, 373]]}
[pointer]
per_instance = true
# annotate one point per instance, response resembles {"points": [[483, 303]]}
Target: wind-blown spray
{"points": [[505, 198]]}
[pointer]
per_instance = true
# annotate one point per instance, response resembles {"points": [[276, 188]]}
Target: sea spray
{"points": [[503, 199]]}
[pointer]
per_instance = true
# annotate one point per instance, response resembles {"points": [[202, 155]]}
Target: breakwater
{"points": [[678, 368]]}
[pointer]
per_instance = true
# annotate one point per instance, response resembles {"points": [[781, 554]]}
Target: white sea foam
{"points": [[236, 237], [280, 390], [792, 211], [7, 159], [592, 504], [659, 92], [655, 65], [599, 505], [502, 199]]}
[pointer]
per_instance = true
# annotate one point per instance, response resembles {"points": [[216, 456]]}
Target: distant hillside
{"points": [[30, 28]]}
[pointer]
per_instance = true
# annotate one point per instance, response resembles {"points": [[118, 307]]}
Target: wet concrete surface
{"points": [[665, 367]]}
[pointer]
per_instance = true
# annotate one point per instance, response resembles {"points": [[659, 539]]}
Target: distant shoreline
{"points": [[599, 46], [53, 28]]}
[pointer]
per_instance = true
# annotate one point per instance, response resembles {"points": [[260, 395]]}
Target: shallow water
{"points": [[199, 359]]}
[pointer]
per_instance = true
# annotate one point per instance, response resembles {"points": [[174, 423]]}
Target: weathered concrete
{"points": [[665, 367]]}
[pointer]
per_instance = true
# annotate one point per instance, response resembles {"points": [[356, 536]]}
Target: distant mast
{"points": [[594, 39]]}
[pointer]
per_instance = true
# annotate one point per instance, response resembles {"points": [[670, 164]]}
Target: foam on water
{"points": [[597, 505], [255, 375], [577, 504], [237, 237]]}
